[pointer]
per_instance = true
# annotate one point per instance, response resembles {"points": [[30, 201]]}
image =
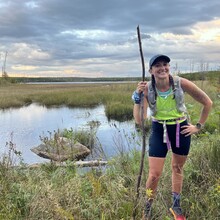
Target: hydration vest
{"points": [[178, 94]]}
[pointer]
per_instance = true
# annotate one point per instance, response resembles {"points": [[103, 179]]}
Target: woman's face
{"points": [[161, 69]]}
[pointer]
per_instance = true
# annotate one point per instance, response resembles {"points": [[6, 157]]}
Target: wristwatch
{"points": [[199, 126]]}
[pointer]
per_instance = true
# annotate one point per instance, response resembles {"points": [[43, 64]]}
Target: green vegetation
{"points": [[52, 192], [115, 97], [195, 76], [72, 79], [86, 137]]}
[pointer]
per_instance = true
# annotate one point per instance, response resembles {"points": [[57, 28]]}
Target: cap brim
{"points": [[159, 57]]}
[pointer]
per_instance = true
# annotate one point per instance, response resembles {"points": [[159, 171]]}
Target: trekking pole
{"points": [[142, 128]]}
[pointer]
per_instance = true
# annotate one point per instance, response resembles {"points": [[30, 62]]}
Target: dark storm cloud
{"points": [[69, 30], [49, 17]]}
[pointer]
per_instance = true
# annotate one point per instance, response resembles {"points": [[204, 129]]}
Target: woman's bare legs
{"points": [[155, 170], [178, 162], [156, 165]]}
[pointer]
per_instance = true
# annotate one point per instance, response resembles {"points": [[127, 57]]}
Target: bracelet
{"points": [[136, 97]]}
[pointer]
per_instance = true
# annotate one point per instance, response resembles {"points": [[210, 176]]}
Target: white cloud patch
{"points": [[31, 4], [208, 31], [25, 51], [23, 68]]}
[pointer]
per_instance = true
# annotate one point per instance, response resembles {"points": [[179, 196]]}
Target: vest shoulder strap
{"points": [[149, 84], [176, 80]]}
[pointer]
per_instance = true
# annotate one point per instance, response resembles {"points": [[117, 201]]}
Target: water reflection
{"points": [[26, 124]]}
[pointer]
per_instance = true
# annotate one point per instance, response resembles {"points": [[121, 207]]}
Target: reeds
{"points": [[67, 193], [115, 97]]}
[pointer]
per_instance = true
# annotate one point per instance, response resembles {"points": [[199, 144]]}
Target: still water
{"points": [[25, 125]]}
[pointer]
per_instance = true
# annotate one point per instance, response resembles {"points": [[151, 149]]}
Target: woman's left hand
{"points": [[189, 129]]}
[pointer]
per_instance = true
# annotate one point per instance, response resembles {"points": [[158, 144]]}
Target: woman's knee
{"points": [[177, 168], [154, 175], [178, 162]]}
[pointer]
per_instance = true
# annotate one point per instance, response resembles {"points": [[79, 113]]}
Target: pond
{"points": [[24, 126]]}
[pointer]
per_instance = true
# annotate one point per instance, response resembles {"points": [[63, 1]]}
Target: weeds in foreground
{"points": [[109, 193]]}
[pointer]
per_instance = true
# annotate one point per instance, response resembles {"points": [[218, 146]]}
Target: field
{"points": [[115, 97], [52, 192]]}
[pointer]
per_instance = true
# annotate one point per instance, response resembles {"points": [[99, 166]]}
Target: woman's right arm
{"points": [[137, 109]]}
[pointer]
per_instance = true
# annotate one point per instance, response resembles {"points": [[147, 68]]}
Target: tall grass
{"points": [[109, 193], [116, 98], [67, 193]]}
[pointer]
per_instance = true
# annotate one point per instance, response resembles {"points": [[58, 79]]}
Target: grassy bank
{"points": [[58, 193], [115, 97]]}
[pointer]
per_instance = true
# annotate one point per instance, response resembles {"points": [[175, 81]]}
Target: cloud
{"points": [[27, 53], [23, 68], [98, 38]]}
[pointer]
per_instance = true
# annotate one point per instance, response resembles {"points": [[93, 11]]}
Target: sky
{"points": [[98, 38]]}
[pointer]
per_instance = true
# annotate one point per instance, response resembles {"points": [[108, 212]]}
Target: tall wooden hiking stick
{"points": [[143, 130]]}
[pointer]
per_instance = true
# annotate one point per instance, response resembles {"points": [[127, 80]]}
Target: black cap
{"points": [[157, 57]]}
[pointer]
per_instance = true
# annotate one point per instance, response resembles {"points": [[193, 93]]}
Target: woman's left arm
{"points": [[200, 96]]}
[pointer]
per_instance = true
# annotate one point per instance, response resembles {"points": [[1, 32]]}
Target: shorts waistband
{"points": [[169, 120], [165, 133]]}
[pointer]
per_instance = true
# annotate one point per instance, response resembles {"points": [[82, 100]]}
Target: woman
{"points": [[164, 95]]}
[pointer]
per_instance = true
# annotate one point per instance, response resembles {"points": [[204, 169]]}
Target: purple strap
{"points": [[177, 134], [165, 135]]}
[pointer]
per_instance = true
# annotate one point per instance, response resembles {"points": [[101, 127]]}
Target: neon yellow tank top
{"points": [[166, 108]]}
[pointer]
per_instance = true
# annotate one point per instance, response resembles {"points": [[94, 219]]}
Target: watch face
{"points": [[198, 125]]}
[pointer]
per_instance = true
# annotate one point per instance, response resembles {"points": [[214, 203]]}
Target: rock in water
{"points": [[61, 150]]}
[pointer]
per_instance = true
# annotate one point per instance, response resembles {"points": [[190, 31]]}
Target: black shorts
{"points": [[159, 149]]}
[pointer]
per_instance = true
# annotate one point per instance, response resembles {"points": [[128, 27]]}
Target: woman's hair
{"points": [[171, 82], [153, 82]]}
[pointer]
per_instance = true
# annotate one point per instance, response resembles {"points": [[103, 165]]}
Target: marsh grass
{"points": [[115, 97], [67, 193], [56, 148], [194, 108], [202, 178]]}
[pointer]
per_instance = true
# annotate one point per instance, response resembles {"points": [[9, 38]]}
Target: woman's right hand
{"points": [[141, 87]]}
